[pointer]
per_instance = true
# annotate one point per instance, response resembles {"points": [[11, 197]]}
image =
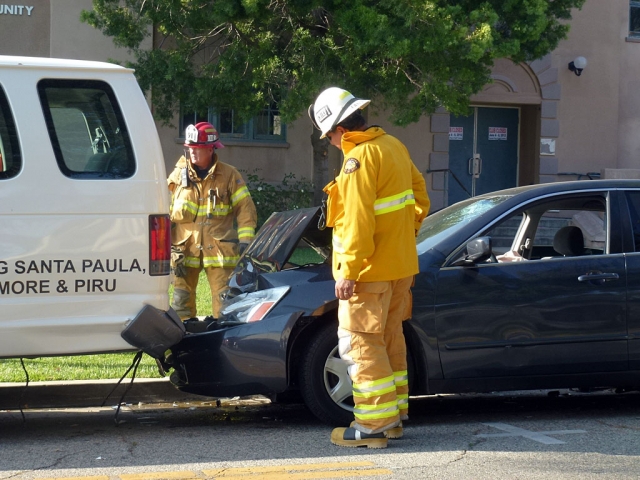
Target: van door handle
{"points": [[598, 276]]}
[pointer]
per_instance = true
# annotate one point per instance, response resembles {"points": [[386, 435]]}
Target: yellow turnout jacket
{"points": [[203, 214], [375, 206]]}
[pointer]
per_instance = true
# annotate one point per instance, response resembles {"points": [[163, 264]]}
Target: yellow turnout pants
{"points": [[184, 290], [371, 341]]}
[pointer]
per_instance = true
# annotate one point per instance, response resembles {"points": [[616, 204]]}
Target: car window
{"points": [[633, 200], [559, 227], [87, 130], [10, 158]]}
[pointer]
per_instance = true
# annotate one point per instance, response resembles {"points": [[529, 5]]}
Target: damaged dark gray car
{"points": [[528, 288]]}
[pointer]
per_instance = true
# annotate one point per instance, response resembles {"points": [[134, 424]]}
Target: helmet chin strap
{"points": [[344, 109]]}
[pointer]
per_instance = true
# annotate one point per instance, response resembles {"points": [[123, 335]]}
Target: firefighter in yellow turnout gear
{"points": [[375, 206], [207, 197]]}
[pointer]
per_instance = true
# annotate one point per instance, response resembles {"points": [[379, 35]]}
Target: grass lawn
{"points": [[81, 367], [95, 367]]}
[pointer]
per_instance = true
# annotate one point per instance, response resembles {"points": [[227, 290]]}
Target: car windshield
{"points": [[449, 220]]}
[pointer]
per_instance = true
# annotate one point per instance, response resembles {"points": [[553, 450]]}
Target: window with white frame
{"points": [[634, 18]]}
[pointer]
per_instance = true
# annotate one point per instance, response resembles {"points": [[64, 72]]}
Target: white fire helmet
{"points": [[332, 106]]}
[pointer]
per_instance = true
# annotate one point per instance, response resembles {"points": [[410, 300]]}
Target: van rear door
{"points": [[83, 204]]}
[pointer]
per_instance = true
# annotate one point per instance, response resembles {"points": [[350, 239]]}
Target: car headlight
{"points": [[253, 306]]}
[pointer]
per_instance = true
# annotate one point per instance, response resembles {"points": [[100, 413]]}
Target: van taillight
{"points": [[159, 245]]}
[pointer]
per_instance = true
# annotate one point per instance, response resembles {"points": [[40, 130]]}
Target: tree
{"points": [[242, 54], [411, 56]]}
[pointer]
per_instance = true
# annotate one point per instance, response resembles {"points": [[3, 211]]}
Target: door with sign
{"points": [[483, 152]]}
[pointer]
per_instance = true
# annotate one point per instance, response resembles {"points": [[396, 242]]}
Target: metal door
{"points": [[483, 152]]}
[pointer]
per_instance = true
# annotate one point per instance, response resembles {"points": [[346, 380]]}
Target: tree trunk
{"points": [[320, 165]]}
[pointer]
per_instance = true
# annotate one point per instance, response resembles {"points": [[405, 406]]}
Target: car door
{"points": [[632, 246], [546, 314]]}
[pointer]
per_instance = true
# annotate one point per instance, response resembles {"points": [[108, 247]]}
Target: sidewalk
{"points": [[90, 393]]}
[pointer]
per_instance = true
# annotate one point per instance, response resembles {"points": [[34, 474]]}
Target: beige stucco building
{"points": [[537, 122]]}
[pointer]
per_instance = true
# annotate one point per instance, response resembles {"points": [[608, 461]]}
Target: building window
{"points": [[230, 127], [264, 127], [191, 118], [634, 18], [267, 125]]}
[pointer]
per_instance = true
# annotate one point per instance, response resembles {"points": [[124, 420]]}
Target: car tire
{"points": [[324, 382]]}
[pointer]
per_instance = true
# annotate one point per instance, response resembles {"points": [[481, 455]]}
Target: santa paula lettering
{"points": [[110, 266], [64, 276], [23, 267], [44, 266]]}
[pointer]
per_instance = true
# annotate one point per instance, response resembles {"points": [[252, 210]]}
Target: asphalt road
{"points": [[518, 435]]}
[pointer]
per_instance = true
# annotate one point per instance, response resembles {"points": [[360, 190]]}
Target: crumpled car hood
{"points": [[275, 243]]}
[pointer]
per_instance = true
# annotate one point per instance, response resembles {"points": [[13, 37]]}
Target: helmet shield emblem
{"points": [[323, 114]]}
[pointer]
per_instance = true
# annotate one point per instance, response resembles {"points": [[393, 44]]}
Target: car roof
{"points": [[571, 186]]}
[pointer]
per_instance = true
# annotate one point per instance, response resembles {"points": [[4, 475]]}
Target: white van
{"points": [[85, 235]]}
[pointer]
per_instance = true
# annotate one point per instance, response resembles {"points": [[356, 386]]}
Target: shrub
{"points": [[269, 197]]}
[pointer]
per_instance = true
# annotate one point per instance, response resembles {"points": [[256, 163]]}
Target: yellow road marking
{"points": [[306, 471], [284, 468], [311, 475]]}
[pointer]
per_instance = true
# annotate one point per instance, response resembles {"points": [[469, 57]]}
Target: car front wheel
{"points": [[324, 382]]}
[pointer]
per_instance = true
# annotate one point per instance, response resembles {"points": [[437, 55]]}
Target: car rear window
{"points": [[10, 158], [87, 130]]}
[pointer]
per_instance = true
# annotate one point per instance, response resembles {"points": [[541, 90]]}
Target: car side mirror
{"points": [[478, 250]]}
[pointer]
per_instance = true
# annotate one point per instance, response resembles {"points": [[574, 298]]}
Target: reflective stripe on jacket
{"points": [[375, 206], [204, 211]]}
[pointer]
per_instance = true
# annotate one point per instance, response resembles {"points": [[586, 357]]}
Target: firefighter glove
{"points": [[242, 247], [177, 262]]}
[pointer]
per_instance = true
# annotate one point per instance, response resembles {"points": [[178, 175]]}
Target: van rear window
{"points": [[10, 158], [87, 130]]}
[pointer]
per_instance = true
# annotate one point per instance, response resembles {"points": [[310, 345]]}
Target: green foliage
{"points": [[291, 194], [412, 56]]}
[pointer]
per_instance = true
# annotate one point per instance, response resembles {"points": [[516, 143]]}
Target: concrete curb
{"points": [[90, 393]]}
